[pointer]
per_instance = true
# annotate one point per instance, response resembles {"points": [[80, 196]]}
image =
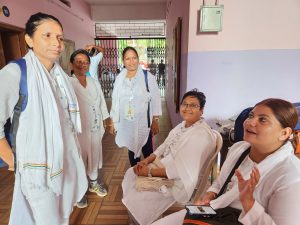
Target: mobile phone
{"points": [[204, 211]]}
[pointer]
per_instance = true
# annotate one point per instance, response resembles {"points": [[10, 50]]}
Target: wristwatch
{"points": [[149, 172]]}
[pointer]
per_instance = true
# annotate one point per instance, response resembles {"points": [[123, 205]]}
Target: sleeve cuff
{"points": [[213, 189], [170, 166], [252, 215]]}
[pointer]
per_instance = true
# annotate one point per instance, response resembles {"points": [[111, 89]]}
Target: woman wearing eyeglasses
{"points": [[93, 112], [264, 190], [181, 157]]}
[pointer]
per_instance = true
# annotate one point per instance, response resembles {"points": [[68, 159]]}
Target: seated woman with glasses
{"points": [[181, 158], [93, 112], [264, 189]]}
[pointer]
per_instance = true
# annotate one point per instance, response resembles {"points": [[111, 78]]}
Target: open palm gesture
{"points": [[247, 187]]}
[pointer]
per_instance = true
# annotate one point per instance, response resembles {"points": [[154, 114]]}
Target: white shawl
{"points": [[190, 151], [40, 148], [264, 168]]}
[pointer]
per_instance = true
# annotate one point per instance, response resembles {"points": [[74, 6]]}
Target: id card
{"points": [[201, 210], [129, 112]]}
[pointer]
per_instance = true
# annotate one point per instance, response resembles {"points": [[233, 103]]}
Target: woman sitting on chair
{"points": [[179, 160], [265, 188]]}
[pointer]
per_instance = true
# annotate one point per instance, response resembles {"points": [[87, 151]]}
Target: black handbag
{"points": [[227, 215]]}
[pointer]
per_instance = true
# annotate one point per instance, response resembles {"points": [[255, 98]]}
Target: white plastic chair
{"points": [[203, 179]]}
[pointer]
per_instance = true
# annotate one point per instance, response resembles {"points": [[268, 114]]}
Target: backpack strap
{"points": [[237, 164], [147, 88], [20, 106]]}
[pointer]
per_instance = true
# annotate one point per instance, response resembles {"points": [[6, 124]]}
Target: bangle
{"points": [[149, 172], [110, 125]]}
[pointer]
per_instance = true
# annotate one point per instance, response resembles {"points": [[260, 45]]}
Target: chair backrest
{"points": [[203, 179], [239, 124]]}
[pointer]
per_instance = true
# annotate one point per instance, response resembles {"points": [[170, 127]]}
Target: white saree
{"points": [[184, 152]]}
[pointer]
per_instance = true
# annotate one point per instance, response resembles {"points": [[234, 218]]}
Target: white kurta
{"points": [[30, 165], [185, 153], [131, 93], [95, 60], [276, 195], [93, 111]]}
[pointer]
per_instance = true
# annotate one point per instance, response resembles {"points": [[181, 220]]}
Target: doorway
{"points": [[12, 43]]}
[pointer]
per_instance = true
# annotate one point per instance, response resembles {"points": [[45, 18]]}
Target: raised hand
{"points": [[247, 187]]}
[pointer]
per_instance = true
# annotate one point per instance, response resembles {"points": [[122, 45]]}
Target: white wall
{"points": [[76, 21]]}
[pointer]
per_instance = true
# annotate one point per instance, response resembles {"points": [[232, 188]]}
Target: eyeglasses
{"points": [[82, 63], [191, 106]]}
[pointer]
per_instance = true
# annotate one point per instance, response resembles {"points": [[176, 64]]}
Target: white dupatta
{"points": [[40, 147]]}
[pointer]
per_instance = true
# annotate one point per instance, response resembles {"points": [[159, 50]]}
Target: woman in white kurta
{"points": [[270, 192], [96, 55], [93, 112], [184, 155], [130, 99], [49, 174]]}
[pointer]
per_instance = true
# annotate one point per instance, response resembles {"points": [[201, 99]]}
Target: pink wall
{"points": [[175, 9], [149, 11], [76, 20], [256, 56], [248, 25]]}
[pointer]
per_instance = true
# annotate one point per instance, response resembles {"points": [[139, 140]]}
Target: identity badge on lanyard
{"points": [[129, 109]]}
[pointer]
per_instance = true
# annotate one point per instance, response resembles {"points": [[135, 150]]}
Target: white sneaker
{"points": [[99, 189]]}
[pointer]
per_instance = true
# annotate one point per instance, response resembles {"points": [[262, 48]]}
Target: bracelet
{"points": [[110, 125]]}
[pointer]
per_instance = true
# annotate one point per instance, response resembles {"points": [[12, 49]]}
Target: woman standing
{"points": [[50, 175], [136, 107], [93, 112]]}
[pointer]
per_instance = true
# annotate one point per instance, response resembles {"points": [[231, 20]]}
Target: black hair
{"points": [[127, 49], [79, 51], [286, 114], [35, 20], [196, 94]]}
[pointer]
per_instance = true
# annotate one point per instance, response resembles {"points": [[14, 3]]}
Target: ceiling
{"points": [[115, 2], [114, 10]]}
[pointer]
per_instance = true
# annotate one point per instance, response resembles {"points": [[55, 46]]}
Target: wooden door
{"points": [[12, 43]]}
